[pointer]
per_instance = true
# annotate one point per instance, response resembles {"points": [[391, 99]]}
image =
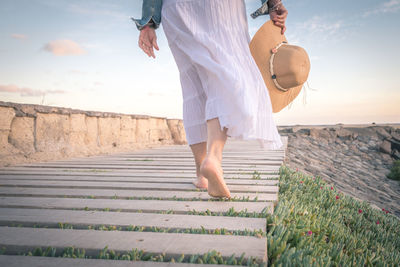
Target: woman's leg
{"points": [[211, 167], [199, 152]]}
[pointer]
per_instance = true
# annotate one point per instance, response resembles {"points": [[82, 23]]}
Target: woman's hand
{"points": [[279, 16], [148, 40]]}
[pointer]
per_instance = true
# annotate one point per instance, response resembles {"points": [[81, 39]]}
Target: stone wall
{"points": [[31, 133]]}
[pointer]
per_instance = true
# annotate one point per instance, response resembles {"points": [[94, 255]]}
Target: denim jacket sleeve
{"points": [[151, 11], [263, 10]]}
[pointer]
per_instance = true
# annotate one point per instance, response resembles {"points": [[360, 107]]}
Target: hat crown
{"points": [[291, 66], [285, 78]]}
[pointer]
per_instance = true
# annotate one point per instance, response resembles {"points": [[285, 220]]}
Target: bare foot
{"points": [[213, 172], [201, 182]]}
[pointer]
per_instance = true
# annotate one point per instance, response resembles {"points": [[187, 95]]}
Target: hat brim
{"points": [[266, 38]]}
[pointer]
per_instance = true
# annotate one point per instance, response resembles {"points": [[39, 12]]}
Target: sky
{"points": [[84, 54]]}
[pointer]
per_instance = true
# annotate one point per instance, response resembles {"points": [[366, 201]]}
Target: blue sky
{"points": [[353, 48]]}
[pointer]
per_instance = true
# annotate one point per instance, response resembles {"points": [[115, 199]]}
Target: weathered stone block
{"points": [[52, 132], [319, 133], [109, 131], [395, 136], [142, 130], [91, 137], [78, 123], [285, 130], [127, 122], [128, 130], [22, 134], [177, 131], [382, 133], [343, 133], [6, 116], [127, 137], [4, 141], [386, 147], [77, 140], [159, 131], [304, 131]]}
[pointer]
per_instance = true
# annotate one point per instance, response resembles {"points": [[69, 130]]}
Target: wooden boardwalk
{"points": [[141, 200]]}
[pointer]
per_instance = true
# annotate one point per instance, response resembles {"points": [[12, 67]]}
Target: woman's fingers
{"points": [[276, 19], [155, 44], [152, 52], [145, 49], [141, 45], [283, 16], [146, 46], [147, 41], [279, 24]]}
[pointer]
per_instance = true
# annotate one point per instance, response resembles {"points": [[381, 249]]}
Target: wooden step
{"points": [[22, 239], [34, 261], [82, 218], [150, 206], [108, 193], [133, 179], [95, 172], [153, 168], [130, 186]]}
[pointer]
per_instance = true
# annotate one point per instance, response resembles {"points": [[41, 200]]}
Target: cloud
{"points": [[63, 48], [25, 91], [392, 6], [318, 24], [19, 36], [323, 28]]}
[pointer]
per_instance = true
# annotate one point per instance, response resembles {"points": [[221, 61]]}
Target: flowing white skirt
{"points": [[209, 40]]}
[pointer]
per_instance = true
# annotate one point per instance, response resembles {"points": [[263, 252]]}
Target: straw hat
{"points": [[284, 67]]}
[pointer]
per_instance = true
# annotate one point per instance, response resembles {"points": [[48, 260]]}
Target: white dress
{"points": [[209, 40]]}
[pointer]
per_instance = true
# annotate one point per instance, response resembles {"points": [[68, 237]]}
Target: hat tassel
{"points": [[304, 95]]}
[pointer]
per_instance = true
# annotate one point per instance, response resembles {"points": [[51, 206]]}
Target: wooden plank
{"points": [[151, 168], [154, 158], [227, 149], [137, 170], [176, 163], [244, 159], [82, 219], [108, 193], [35, 261], [240, 153], [113, 173], [188, 156], [173, 244], [130, 186], [179, 207], [146, 179], [185, 158]]}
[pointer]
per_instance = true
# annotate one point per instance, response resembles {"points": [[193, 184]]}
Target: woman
{"points": [[223, 90]]}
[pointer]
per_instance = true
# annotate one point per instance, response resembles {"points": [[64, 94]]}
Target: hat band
{"points": [[271, 66]]}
